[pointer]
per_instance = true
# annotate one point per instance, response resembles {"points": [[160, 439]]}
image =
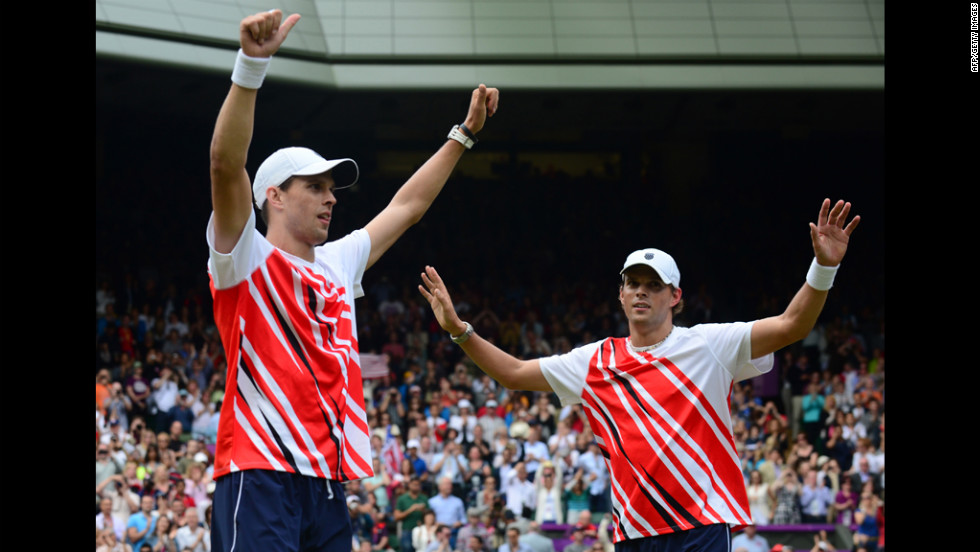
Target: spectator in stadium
{"points": [[192, 536], [475, 471], [164, 536], [519, 493], [163, 398], [473, 528], [449, 508], [141, 525], [866, 519], [107, 541], [863, 475], [409, 509], [562, 443], [107, 520], [815, 499], [450, 463], [487, 495], [425, 532], [576, 496], [785, 493], [442, 542], [596, 473], [758, 492], [845, 502], [513, 543], [548, 493], [578, 541], [534, 539], [463, 421], [749, 541]]}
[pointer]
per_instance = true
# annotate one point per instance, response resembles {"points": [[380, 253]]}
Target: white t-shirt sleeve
{"points": [[731, 345], [349, 255], [230, 269], [566, 373]]}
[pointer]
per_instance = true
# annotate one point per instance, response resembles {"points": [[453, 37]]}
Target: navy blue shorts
{"points": [[710, 538], [270, 511]]}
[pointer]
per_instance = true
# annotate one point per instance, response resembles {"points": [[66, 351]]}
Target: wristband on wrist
{"points": [[461, 338], [469, 133], [821, 277], [249, 71], [459, 136]]}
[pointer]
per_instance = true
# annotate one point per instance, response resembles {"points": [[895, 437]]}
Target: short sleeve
{"points": [[349, 255], [731, 344], [566, 373], [230, 269]]}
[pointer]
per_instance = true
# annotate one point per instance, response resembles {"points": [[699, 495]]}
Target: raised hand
{"points": [[436, 294], [262, 34], [829, 234], [483, 104]]}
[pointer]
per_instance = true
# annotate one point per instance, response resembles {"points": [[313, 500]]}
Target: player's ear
{"points": [[272, 195], [676, 292]]}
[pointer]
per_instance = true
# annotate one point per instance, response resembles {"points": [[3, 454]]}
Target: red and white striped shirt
{"points": [[294, 399], [662, 420]]}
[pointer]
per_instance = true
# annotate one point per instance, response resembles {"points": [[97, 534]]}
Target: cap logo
{"points": [[648, 256]]}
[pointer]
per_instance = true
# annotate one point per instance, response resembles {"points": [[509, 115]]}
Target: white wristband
{"points": [[457, 134], [821, 277], [249, 71]]}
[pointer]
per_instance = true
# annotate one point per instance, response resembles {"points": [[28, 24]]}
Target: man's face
{"points": [[146, 504], [106, 506], [415, 486], [645, 298], [307, 205], [512, 536], [445, 486]]}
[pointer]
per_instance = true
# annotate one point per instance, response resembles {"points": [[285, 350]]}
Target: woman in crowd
{"points": [[866, 518], [425, 532], [845, 503], [164, 536], [758, 492]]}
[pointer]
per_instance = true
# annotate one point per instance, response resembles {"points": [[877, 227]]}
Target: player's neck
{"points": [[645, 336], [280, 238]]}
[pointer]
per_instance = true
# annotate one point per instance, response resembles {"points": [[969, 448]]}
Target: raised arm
{"points": [[511, 372], [231, 191], [416, 195], [829, 237]]}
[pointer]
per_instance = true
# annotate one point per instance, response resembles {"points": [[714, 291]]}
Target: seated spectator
{"points": [[750, 541]]}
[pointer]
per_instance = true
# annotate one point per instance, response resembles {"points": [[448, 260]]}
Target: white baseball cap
{"points": [[658, 260], [287, 162]]}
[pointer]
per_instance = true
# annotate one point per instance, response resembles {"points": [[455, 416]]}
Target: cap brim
{"points": [[655, 269], [344, 171]]}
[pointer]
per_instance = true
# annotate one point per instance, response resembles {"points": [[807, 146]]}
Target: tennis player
{"points": [[293, 424], [657, 400]]}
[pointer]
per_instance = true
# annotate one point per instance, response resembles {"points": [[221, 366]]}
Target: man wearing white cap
{"points": [[293, 423], [657, 400]]}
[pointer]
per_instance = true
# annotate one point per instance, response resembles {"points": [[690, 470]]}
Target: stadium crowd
{"points": [[462, 463]]}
